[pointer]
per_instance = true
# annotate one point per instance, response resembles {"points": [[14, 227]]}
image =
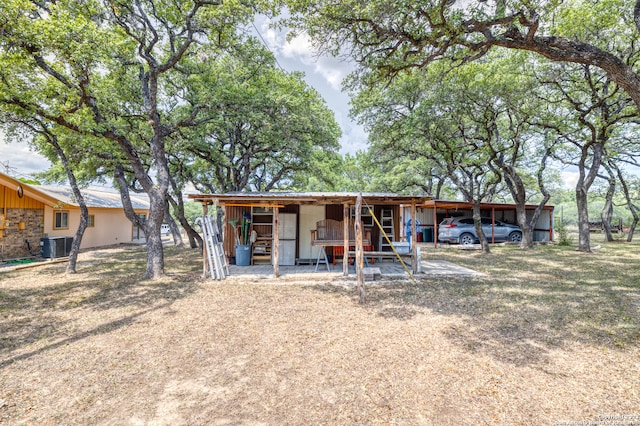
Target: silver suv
{"points": [[461, 230]]}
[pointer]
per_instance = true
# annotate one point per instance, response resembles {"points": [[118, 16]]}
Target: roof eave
{"points": [[275, 199]]}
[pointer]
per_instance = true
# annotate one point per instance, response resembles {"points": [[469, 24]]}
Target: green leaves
{"points": [[265, 127]]}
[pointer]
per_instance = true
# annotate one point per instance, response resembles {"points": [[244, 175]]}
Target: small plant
{"points": [[563, 234]]}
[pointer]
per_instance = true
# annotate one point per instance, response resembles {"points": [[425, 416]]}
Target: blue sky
{"points": [[324, 73]]}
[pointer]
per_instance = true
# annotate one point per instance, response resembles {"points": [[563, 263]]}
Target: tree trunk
{"points": [[77, 239], [84, 212], [583, 220], [175, 231], [477, 221], [632, 228], [546, 195], [526, 226], [585, 180], [157, 202], [607, 211], [155, 249], [627, 195], [195, 241], [519, 194]]}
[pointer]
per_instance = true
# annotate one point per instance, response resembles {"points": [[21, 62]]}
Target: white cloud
{"points": [[299, 49], [299, 46], [20, 160], [569, 179], [272, 39], [352, 140], [333, 70]]}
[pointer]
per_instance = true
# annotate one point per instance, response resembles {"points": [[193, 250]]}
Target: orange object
{"points": [[338, 251]]}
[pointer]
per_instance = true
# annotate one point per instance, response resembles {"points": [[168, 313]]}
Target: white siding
{"points": [[111, 227]]}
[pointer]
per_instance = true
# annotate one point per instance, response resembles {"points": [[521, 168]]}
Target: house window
{"points": [[91, 221], [138, 232], [61, 220]]}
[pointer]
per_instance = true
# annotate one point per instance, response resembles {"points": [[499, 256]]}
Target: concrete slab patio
{"points": [[308, 273], [442, 267]]}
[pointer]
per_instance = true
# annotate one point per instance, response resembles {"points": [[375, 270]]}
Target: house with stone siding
{"points": [[29, 213]]}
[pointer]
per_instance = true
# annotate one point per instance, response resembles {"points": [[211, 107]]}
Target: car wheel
{"points": [[515, 237], [467, 239]]}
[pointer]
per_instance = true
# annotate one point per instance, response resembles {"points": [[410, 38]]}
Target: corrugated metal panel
{"points": [[283, 198], [95, 197], [229, 239]]}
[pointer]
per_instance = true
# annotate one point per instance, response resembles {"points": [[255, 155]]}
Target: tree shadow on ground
{"points": [[42, 306], [520, 316]]}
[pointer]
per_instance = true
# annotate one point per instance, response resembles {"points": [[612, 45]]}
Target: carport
{"points": [[431, 212]]}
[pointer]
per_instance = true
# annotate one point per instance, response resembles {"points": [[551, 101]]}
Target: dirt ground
{"points": [[102, 347]]}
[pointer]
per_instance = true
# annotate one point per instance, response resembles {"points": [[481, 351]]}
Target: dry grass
{"points": [[546, 336]]}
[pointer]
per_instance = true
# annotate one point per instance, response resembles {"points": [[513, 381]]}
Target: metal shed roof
{"points": [[466, 205], [94, 197], [318, 198]]}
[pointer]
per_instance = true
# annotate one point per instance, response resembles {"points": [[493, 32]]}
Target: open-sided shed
{"points": [[294, 227]]}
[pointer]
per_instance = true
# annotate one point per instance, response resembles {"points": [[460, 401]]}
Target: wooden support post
{"points": [[205, 267], [276, 242], [345, 231], [414, 239], [224, 233], [435, 225], [493, 225], [359, 249]]}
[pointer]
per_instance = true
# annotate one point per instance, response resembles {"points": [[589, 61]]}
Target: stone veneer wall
{"points": [[13, 239]]}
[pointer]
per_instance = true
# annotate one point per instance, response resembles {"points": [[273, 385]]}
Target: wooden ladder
{"points": [[387, 227]]}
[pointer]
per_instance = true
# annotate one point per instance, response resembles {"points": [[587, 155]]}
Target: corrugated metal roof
{"points": [[94, 197], [447, 204], [271, 198]]}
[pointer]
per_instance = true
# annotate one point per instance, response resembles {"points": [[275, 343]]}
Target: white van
{"points": [[165, 230]]}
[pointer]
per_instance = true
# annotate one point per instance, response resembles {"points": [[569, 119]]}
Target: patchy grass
{"points": [[554, 294], [547, 335]]}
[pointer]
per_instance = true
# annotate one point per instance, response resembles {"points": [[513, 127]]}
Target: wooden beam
{"points": [[205, 212], [414, 239], [345, 221], [276, 242], [359, 249], [493, 225], [435, 226], [252, 205]]}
